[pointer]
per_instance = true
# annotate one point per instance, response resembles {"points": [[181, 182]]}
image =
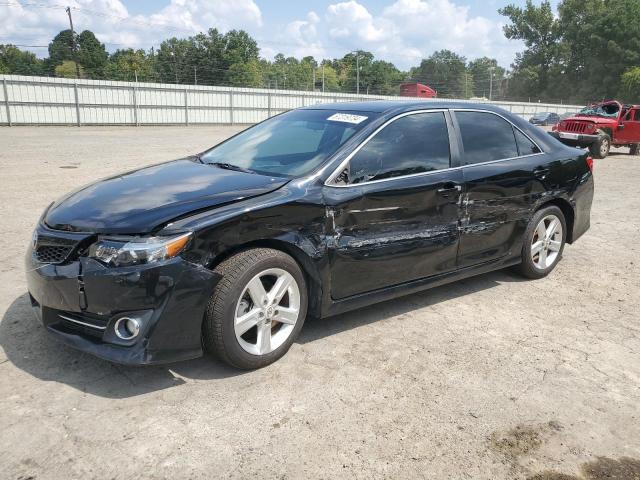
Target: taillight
{"points": [[589, 161]]}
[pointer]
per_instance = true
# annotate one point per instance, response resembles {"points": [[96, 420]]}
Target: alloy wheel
{"points": [[267, 311], [604, 147], [547, 242]]}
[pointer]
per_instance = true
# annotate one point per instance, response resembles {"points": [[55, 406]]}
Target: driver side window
{"points": [[412, 144]]}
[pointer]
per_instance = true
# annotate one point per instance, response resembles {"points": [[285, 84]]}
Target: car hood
{"points": [[145, 199], [593, 119]]}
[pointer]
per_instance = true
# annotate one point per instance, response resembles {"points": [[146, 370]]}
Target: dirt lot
{"points": [[492, 377]]}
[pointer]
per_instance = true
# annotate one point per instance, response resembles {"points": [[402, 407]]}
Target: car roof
{"points": [[399, 106]]}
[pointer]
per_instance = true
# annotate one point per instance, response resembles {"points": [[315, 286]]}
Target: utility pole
{"points": [[491, 83], [175, 65], [313, 85], [358, 73], [195, 75], [323, 78], [73, 42]]}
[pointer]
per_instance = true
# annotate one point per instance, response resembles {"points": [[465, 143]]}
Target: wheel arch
{"points": [[567, 211], [607, 131], [309, 269]]}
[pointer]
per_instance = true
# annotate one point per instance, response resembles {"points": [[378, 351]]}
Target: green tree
{"points": [[539, 29], [126, 64], [330, 77], [67, 69], [630, 89], [601, 40], [445, 72], [17, 62], [246, 74], [61, 48], [487, 77], [91, 54], [207, 57], [175, 61]]}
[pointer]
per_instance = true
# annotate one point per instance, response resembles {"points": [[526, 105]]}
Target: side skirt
{"points": [[389, 293]]}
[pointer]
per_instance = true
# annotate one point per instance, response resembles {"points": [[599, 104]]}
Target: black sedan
{"points": [[544, 119], [314, 212]]}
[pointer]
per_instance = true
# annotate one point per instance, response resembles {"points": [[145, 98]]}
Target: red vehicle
{"points": [[601, 126], [417, 90]]}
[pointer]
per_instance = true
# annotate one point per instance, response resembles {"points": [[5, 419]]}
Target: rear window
{"points": [[485, 137]]}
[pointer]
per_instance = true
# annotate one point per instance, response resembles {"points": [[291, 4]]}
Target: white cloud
{"points": [[403, 32], [35, 24], [408, 30], [301, 38]]}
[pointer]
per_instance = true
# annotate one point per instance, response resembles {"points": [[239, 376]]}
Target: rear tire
{"points": [[257, 309], [633, 150], [543, 243], [600, 148]]}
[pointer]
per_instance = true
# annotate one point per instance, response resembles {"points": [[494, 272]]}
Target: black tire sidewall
{"points": [[527, 267], [595, 147], [235, 353]]}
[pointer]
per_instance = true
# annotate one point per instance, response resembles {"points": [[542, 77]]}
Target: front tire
{"points": [[257, 309], [600, 148], [544, 242]]}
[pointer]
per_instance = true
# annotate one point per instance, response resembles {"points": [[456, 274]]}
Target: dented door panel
{"points": [[498, 202], [387, 233]]}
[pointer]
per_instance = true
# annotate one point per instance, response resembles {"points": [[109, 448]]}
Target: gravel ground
{"points": [[491, 377]]}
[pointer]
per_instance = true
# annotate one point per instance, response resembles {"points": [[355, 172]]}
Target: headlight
{"points": [[125, 251]]}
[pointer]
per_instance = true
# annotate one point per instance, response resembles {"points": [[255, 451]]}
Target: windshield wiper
{"points": [[229, 166]]}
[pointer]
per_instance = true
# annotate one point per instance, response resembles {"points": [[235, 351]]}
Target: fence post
{"points": [[75, 93], [268, 104], [135, 105], [186, 107], [6, 100], [231, 107]]}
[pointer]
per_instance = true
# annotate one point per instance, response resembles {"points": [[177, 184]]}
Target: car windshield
{"points": [[289, 145], [607, 110]]}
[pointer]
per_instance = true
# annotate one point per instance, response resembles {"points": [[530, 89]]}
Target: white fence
{"points": [[59, 101]]}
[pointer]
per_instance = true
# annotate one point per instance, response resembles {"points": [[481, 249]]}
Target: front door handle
{"points": [[449, 188]]}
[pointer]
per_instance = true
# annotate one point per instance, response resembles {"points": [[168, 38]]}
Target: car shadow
{"points": [[31, 349]]}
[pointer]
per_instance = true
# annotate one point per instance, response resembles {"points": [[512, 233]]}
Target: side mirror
{"points": [[621, 126]]}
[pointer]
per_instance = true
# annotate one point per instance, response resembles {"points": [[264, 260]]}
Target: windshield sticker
{"points": [[345, 117]]}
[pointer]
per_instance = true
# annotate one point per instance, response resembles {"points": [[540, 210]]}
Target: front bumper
{"points": [[574, 139], [79, 302]]}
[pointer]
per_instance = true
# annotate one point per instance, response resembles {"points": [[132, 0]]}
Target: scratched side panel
{"points": [[496, 207], [392, 232], [500, 199]]}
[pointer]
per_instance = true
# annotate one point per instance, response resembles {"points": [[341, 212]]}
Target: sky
{"points": [[400, 31]]}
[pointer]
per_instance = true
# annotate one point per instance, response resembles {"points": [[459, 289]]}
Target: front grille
{"points": [[577, 127], [52, 253]]}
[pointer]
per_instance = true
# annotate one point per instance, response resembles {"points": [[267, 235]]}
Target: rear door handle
{"points": [[449, 188], [541, 172]]}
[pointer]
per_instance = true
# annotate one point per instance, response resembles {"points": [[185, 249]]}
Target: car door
{"points": [[630, 131], [393, 206], [504, 172]]}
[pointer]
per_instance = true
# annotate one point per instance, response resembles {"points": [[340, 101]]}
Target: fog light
{"points": [[127, 328]]}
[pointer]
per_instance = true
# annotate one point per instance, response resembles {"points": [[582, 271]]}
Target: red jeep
{"points": [[601, 125]]}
